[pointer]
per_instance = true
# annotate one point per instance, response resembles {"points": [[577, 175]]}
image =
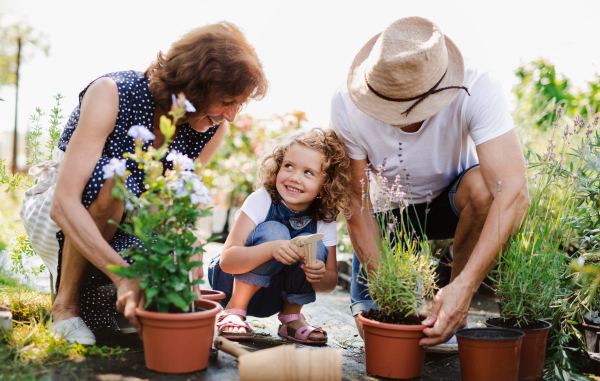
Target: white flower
{"points": [[128, 205], [114, 166], [140, 132], [189, 107], [181, 161], [178, 186], [201, 193]]}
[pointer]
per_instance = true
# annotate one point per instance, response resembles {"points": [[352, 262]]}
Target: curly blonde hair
{"points": [[336, 169]]}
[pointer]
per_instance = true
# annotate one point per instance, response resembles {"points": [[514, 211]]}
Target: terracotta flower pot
{"points": [[178, 342], [490, 354], [392, 350], [533, 349], [212, 295]]}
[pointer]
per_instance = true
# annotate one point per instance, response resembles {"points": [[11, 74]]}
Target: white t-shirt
{"points": [[443, 147], [257, 207]]}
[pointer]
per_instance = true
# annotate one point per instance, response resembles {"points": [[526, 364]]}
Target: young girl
{"points": [[304, 182]]}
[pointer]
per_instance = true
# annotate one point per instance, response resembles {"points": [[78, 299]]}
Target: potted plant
{"points": [[178, 329], [491, 354], [528, 277], [404, 277]]}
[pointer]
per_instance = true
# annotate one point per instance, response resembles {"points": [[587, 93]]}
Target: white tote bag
{"points": [[35, 213]]}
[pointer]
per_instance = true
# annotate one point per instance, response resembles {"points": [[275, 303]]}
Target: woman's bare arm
{"points": [[209, 150], [98, 115]]}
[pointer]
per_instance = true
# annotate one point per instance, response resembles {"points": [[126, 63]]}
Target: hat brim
{"points": [[390, 112]]}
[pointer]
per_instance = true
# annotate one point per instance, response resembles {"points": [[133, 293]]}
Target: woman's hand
{"points": [[285, 252], [129, 296], [314, 271]]}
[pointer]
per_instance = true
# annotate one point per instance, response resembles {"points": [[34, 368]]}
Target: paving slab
{"points": [[330, 311]]}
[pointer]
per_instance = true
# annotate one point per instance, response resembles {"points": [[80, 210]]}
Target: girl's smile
{"points": [[299, 179]]}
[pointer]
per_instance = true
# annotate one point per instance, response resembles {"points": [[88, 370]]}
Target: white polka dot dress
{"points": [[136, 107]]}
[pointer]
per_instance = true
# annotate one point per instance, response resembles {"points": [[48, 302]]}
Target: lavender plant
{"points": [[406, 271], [162, 217], [528, 277]]}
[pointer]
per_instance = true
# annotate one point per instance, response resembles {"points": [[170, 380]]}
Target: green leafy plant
{"points": [[406, 271], [31, 349], [162, 217], [20, 247]]}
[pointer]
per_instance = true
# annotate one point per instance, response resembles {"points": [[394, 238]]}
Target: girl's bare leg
{"points": [[297, 324], [74, 266], [240, 297]]}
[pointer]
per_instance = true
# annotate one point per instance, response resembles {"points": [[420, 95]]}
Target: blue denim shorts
{"points": [[442, 219]]}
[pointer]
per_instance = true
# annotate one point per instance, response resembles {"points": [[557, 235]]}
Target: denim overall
{"points": [[278, 282]]}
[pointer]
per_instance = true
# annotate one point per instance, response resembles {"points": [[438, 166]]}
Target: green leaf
{"points": [[126, 272], [193, 265], [177, 300], [197, 281], [151, 293]]}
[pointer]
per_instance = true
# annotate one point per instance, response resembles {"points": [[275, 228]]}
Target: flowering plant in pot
{"points": [[178, 329], [528, 279], [404, 277]]}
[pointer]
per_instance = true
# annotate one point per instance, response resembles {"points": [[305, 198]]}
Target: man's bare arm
{"points": [[502, 167], [362, 229]]}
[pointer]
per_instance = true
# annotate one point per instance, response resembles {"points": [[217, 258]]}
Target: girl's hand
{"points": [[314, 272], [285, 252]]}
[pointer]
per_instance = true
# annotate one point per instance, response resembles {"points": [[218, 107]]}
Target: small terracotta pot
{"points": [[392, 350], [490, 354], [178, 342], [212, 295], [533, 349]]}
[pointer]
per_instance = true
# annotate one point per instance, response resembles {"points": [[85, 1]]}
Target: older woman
{"points": [[218, 71]]}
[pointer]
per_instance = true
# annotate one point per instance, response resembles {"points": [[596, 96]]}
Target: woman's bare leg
{"points": [[74, 266]]}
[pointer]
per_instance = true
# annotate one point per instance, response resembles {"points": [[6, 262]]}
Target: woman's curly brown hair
{"points": [[207, 64], [336, 169]]}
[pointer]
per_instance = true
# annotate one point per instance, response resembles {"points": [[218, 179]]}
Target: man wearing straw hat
{"points": [[408, 89]]}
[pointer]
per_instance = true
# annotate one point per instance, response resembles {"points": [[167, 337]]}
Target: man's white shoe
{"points": [[74, 330]]}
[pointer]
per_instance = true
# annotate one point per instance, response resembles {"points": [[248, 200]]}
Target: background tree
{"points": [[18, 43]]}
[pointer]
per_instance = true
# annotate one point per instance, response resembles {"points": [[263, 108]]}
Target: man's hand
{"points": [[448, 313], [285, 252], [129, 296], [314, 271]]}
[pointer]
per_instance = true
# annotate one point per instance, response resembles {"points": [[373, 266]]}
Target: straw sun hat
{"points": [[407, 73]]}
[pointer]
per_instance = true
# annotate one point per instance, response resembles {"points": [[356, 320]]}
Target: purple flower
{"points": [[140, 132], [189, 107], [114, 167], [178, 186], [182, 161]]}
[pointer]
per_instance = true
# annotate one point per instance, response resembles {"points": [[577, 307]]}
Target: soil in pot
{"points": [[490, 354], [179, 342], [392, 350], [533, 349]]}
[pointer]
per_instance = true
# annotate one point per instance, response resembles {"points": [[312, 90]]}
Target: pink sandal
{"points": [[300, 335], [221, 324]]}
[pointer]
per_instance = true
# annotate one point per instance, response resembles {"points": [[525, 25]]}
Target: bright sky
{"points": [[306, 46]]}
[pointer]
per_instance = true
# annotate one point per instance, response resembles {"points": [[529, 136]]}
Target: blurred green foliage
{"points": [[541, 88]]}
